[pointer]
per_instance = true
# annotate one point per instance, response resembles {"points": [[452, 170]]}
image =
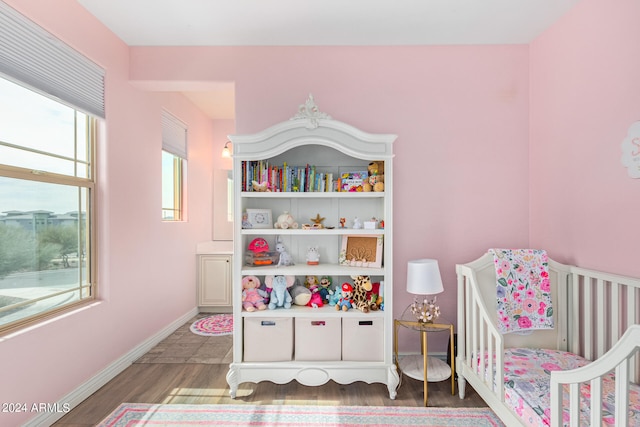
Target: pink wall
{"points": [[585, 93], [467, 177], [147, 276], [459, 112]]}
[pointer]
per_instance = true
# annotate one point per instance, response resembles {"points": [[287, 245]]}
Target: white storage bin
{"points": [[363, 339], [268, 339], [317, 338]]}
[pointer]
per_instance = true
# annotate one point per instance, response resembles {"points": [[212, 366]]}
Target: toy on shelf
{"points": [[301, 294], [375, 180], [325, 288], [334, 296], [317, 221], [286, 221], [357, 224], [285, 258], [310, 281], [361, 285], [260, 186], [258, 253], [374, 296], [343, 222], [345, 302], [316, 299], [245, 221], [313, 256], [258, 245], [252, 296], [280, 296]]}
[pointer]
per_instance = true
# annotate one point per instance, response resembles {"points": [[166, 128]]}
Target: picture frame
{"points": [[259, 218], [362, 250]]}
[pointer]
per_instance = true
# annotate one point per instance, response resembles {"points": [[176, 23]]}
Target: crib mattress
{"points": [[527, 387]]}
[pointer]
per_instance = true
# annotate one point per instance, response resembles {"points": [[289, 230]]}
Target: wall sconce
{"points": [[226, 151]]}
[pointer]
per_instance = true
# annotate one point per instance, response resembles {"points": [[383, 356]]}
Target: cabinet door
{"points": [[214, 280]]}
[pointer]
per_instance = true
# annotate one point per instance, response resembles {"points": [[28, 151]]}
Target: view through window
{"points": [[174, 163], [46, 199]]}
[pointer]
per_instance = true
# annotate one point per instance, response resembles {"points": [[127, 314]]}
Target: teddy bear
{"points": [[280, 296], [375, 181], [252, 296]]}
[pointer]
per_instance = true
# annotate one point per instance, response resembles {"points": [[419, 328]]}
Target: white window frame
{"points": [[37, 60], [174, 143]]}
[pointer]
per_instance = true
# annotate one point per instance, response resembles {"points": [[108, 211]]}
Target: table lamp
{"points": [[423, 279]]}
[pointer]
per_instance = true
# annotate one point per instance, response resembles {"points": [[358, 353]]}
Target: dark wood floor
{"points": [[187, 368]]}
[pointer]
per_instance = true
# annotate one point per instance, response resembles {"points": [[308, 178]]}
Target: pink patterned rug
{"points": [[138, 414], [219, 324]]}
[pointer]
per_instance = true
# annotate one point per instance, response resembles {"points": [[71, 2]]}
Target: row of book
{"points": [[306, 178]]}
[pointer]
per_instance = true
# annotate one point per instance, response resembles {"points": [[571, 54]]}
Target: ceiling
{"points": [[322, 23]]}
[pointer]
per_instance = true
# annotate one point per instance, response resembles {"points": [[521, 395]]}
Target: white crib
{"points": [[592, 310]]}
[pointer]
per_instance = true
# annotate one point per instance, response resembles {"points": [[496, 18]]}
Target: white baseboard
{"points": [[85, 390]]}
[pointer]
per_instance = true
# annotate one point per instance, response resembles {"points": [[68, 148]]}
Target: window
{"points": [[51, 98], [46, 204], [174, 161]]}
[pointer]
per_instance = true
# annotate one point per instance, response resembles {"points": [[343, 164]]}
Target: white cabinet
{"points": [[214, 281], [313, 141]]}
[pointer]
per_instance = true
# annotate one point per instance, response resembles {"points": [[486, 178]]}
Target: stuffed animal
{"points": [[316, 299], [374, 296], [376, 176], [252, 296], [345, 302], [280, 296], [301, 294], [325, 285], [285, 258], [361, 285], [334, 296]]}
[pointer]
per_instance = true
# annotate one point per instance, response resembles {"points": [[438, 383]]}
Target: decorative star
{"points": [[317, 220]]}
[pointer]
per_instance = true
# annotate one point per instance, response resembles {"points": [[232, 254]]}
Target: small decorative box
{"points": [[370, 225], [260, 258]]}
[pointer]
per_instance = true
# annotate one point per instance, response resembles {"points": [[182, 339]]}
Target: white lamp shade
{"points": [[423, 277]]}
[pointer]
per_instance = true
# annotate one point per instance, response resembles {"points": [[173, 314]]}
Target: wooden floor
{"points": [[187, 368]]}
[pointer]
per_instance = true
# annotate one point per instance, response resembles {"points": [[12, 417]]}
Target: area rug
{"points": [[137, 414], [219, 324]]}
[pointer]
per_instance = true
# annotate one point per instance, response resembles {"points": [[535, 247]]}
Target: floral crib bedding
{"points": [[527, 387]]}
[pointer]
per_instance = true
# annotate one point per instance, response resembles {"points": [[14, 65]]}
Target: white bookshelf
{"points": [[312, 137]]}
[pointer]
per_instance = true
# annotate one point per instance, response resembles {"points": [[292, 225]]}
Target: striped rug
{"points": [[137, 414]]}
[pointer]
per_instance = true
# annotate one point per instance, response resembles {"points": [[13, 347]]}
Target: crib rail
{"points": [[480, 340], [619, 358], [603, 306]]}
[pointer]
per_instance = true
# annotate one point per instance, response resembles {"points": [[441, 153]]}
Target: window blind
{"points": [[174, 135], [32, 56]]}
